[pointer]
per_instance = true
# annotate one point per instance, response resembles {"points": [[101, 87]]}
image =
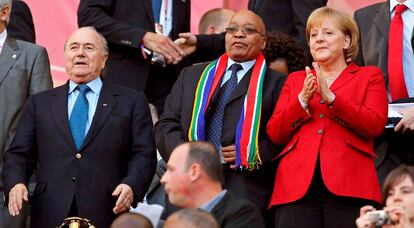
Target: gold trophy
{"points": [[76, 222]]}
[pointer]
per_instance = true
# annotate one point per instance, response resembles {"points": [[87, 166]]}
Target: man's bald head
{"points": [[245, 36]]}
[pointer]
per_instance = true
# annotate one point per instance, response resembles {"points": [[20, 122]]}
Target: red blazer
{"points": [[342, 135]]}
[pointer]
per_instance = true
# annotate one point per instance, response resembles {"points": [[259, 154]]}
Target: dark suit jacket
{"points": [[21, 22], [340, 136], [118, 148], [373, 23], [25, 71], [236, 213], [124, 24], [172, 129]]}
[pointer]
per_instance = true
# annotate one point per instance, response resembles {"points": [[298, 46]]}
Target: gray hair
{"points": [[103, 42], [4, 3]]}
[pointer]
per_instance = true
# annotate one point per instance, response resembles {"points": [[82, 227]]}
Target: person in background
{"points": [[387, 31], [283, 53], [67, 135], [21, 24], [191, 218], [328, 118], [25, 70], [398, 198], [194, 179], [133, 29], [128, 220], [215, 21]]}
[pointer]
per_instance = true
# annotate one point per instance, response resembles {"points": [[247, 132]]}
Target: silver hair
{"points": [[4, 3], [103, 42]]}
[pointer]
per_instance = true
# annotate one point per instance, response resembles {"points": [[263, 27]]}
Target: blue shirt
{"points": [[92, 96], [408, 56], [213, 202], [246, 67]]}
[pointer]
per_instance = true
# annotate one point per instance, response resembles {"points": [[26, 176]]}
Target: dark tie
{"points": [[395, 55], [214, 128], [79, 116], [156, 8]]}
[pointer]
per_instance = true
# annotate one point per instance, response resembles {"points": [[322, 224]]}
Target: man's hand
{"points": [[164, 46], [406, 124], [229, 155], [16, 196], [187, 42], [125, 198]]}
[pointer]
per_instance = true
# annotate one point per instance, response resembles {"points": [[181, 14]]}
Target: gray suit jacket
{"points": [[25, 70]]}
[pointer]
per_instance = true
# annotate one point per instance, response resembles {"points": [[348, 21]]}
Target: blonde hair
{"points": [[344, 22]]}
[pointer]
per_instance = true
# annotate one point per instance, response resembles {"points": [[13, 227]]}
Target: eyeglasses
{"points": [[247, 30]]}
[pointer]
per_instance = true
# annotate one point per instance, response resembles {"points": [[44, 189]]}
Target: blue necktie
{"points": [[79, 116], [156, 8], [214, 128]]}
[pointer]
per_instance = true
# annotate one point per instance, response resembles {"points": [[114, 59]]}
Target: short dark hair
{"points": [[283, 46], [395, 177], [205, 154]]}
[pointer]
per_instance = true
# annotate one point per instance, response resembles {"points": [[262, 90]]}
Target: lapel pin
{"points": [[14, 56], [104, 105]]}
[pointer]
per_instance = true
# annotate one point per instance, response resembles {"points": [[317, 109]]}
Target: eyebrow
{"points": [[84, 44]]}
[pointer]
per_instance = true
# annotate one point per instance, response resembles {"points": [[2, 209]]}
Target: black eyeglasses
{"points": [[247, 30]]}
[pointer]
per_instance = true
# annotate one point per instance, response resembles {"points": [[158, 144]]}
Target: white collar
{"points": [[3, 36], [408, 3]]}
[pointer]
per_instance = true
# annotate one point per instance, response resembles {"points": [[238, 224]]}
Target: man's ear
{"points": [[263, 43], [194, 171]]}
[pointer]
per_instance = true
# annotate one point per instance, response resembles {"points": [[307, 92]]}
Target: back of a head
{"points": [[282, 46], [218, 18], [128, 220], [191, 218], [205, 154]]}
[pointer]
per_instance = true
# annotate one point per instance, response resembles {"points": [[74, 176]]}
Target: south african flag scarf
{"points": [[247, 130]]}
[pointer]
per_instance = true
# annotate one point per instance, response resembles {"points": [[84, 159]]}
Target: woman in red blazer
{"points": [[328, 117]]}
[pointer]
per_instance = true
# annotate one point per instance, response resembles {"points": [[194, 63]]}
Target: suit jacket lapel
{"points": [[9, 54], [344, 77], [60, 113], [106, 104], [383, 21]]}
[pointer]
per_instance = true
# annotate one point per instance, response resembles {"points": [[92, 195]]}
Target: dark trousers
{"points": [[320, 208]]}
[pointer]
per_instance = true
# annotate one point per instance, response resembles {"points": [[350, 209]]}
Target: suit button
{"points": [[322, 101], [321, 115], [320, 131], [73, 179], [78, 156]]}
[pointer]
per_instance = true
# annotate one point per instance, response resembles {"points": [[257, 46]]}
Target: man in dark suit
{"points": [[21, 24], [194, 180], [129, 25], [244, 42], [25, 71], [395, 145], [90, 141]]}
